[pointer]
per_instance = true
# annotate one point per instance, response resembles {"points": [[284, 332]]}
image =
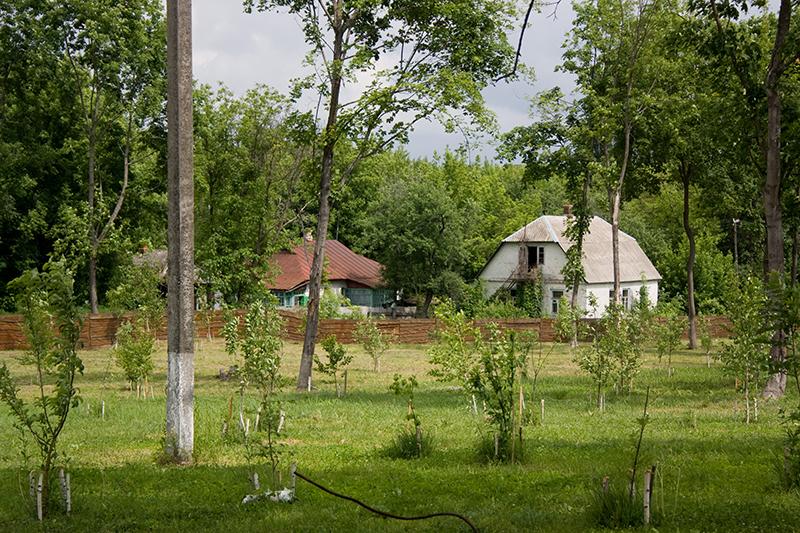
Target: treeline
{"points": [[665, 137]]}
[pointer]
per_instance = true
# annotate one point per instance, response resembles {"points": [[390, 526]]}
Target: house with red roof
{"points": [[349, 274]]}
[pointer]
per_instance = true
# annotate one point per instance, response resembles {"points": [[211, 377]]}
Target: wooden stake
{"points": [[474, 406], [69, 495], [258, 420], [309, 383], [344, 393], [281, 420], [647, 487], [39, 496], [755, 409], [103, 410], [541, 418], [254, 481], [292, 470], [496, 446], [605, 485], [247, 427]]}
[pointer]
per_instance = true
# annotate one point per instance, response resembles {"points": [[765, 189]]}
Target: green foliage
{"points": [[52, 326], [261, 347], [338, 359], [411, 442], [668, 330], [496, 380], [529, 297], [615, 354], [746, 356], [134, 353], [790, 471], [139, 290], [614, 509], [332, 303], [456, 346], [372, 339]]}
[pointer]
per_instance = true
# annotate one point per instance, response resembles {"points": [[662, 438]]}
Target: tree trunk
{"points": [[616, 200], [690, 307], [426, 305], [795, 243], [179, 441], [776, 385], [93, 304], [315, 281]]}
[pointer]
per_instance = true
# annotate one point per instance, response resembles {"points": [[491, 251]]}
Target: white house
{"points": [[538, 250]]}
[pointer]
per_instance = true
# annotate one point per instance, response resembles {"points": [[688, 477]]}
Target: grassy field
{"points": [[714, 472]]}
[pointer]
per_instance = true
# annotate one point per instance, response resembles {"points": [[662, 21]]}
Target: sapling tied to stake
{"points": [[338, 359], [261, 348], [746, 356], [410, 443], [372, 339], [52, 325]]}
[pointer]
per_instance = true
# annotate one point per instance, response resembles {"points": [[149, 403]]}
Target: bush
{"points": [[411, 442]]}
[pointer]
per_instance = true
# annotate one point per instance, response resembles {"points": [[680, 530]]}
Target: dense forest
{"points": [[666, 135]]}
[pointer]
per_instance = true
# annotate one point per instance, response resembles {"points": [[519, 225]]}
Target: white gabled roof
{"points": [[597, 251]]}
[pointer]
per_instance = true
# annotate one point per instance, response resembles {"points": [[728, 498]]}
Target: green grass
{"points": [[714, 472]]}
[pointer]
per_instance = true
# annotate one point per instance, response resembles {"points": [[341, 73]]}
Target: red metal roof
{"points": [[341, 264]]}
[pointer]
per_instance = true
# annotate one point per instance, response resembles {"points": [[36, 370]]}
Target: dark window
{"points": [[535, 256], [554, 302]]}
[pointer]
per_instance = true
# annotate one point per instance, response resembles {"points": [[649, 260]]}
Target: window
{"points": [[625, 297], [535, 256], [555, 300]]}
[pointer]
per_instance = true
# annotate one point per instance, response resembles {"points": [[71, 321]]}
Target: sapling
{"points": [[338, 359], [372, 339], [669, 330], [134, 354], [496, 380], [409, 443], [706, 341], [260, 347], [746, 356], [456, 348], [52, 325]]}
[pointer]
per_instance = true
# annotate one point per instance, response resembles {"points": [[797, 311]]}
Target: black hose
{"points": [[382, 513]]}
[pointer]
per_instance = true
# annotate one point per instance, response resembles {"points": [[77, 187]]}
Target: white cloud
{"points": [[242, 50]]}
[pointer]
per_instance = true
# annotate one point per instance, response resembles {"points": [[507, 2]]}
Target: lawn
{"points": [[715, 473]]}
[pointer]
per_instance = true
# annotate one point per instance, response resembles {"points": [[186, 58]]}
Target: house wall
{"points": [[601, 290], [504, 263]]}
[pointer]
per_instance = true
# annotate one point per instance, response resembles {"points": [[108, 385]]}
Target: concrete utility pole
{"points": [[180, 234]]}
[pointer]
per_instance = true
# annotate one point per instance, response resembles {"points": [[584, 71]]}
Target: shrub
{"points": [[52, 326]]}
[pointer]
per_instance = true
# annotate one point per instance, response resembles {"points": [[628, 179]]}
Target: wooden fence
{"points": [[99, 330]]}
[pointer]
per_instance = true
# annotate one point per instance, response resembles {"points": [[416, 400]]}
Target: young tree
{"points": [[52, 324], [746, 356], [417, 61], [372, 339]]}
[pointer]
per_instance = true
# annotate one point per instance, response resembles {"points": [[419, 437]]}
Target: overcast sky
{"points": [[242, 50]]}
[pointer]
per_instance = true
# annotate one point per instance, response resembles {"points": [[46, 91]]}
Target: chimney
{"points": [[567, 210]]}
